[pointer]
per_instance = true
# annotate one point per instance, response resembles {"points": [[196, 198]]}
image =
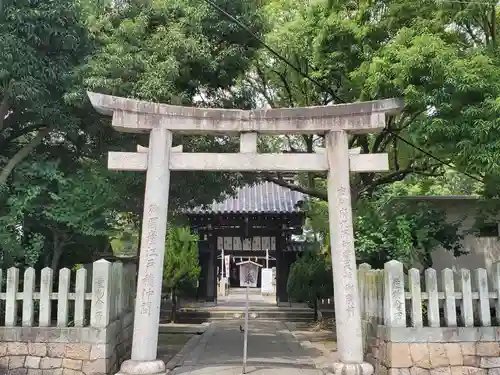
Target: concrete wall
{"points": [[65, 351], [483, 251], [429, 351], [62, 336], [411, 324]]}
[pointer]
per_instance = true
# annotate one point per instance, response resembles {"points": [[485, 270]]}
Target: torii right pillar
{"points": [[345, 282]]}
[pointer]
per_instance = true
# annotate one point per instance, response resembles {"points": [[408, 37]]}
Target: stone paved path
{"points": [[272, 350]]}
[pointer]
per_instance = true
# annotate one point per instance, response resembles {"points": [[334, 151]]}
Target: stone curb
{"points": [[178, 359], [193, 353], [309, 349], [193, 342], [184, 328]]}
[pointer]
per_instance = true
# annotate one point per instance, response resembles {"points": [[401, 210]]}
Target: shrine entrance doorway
{"points": [[259, 222], [161, 121]]}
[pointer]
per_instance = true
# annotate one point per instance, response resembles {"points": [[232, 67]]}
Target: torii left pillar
{"points": [[149, 280]]}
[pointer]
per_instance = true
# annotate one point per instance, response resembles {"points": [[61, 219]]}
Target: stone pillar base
{"points": [[340, 368], [131, 367]]}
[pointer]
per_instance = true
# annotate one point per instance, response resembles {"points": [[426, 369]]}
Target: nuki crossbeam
{"points": [[246, 162]]}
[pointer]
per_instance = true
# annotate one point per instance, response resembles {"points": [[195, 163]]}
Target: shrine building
{"points": [[260, 217]]}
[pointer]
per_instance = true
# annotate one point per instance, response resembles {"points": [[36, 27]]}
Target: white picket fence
{"points": [[113, 288], [428, 298]]}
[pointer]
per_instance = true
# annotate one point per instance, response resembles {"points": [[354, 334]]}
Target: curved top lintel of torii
{"points": [[136, 116]]}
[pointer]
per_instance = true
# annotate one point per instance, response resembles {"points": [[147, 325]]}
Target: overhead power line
{"points": [[470, 2], [273, 52], [328, 89]]}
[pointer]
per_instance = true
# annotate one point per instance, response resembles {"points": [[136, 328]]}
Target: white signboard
{"points": [[226, 263], [267, 286], [249, 273]]}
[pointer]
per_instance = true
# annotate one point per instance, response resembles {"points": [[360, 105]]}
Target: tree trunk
{"points": [[56, 252], [56, 256], [316, 309], [319, 314], [46, 259], [4, 104], [174, 306], [21, 155]]}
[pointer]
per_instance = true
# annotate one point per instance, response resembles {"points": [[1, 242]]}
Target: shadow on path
{"points": [[272, 349]]}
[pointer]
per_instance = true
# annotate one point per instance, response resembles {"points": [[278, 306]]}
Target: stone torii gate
{"points": [[161, 120]]}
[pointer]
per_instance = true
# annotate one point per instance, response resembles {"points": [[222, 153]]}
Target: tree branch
{"points": [[263, 90], [471, 33], [4, 105], [22, 154], [301, 189], [20, 132], [398, 176], [286, 86], [353, 140], [493, 26]]}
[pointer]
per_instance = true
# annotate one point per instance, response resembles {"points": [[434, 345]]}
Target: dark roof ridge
{"points": [[259, 197]]}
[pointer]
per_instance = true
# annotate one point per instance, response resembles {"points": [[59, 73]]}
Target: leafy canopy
{"points": [[310, 278], [182, 268]]}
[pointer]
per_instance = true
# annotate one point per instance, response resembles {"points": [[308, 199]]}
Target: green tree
{"points": [[182, 268], [44, 140], [440, 57], [41, 43], [177, 52], [52, 215], [437, 56], [388, 226], [53, 52], [310, 279], [125, 240]]}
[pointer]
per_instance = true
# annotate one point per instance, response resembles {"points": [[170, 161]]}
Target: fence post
{"points": [[380, 296], [484, 297], [450, 306], [113, 288], [101, 294], [394, 305], [130, 271], [62, 297], [362, 270], [11, 297], [46, 281], [496, 287], [416, 297], [80, 289], [28, 290], [117, 270], [431, 287], [371, 295], [466, 307]]}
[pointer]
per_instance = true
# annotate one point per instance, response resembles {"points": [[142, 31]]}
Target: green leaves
{"points": [[310, 278], [388, 226], [59, 200], [45, 204], [441, 58], [169, 51], [181, 269]]}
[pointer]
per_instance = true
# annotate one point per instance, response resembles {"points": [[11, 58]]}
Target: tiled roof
{"points": [[263, 197]]}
